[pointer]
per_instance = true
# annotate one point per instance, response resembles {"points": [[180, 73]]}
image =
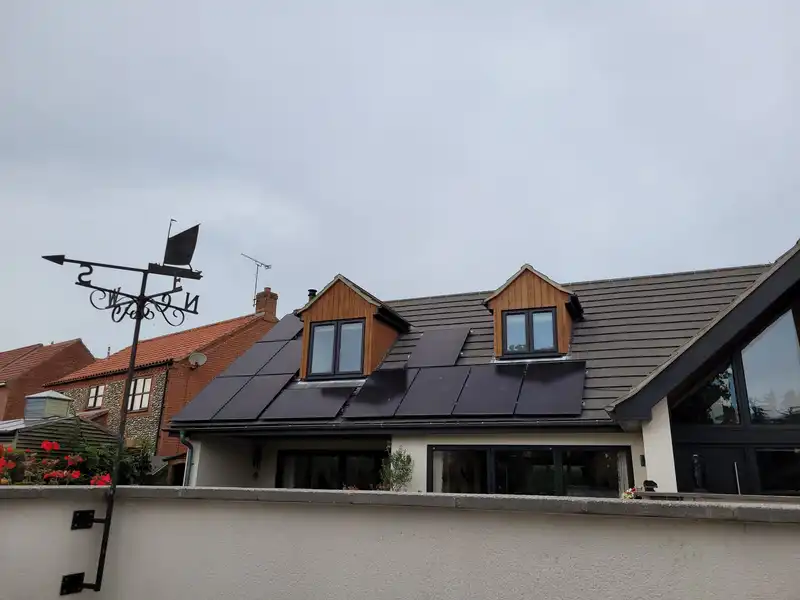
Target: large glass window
{"points": [[332, 470], [460, 471], [779, 471], [713, 403], [530, 472], [594, 473], [337, 348], [573, 471], [772, 373], [529, 331]]}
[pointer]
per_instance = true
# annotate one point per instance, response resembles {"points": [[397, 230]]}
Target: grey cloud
{"points": [[417, 149]]}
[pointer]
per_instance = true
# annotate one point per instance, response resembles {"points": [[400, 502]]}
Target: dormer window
{"points": [[337, 348], [529, 331]]}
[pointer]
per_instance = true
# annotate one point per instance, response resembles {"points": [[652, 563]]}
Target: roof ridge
{"points": [[671, 274], [479, 292], [174, 333]]}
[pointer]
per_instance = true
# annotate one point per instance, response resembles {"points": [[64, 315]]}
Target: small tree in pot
{"points": [[396, 470]]}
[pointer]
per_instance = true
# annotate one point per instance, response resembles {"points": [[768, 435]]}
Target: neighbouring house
{"points": [[170, 371], [48, 416], [687, 380], [25, 371]]}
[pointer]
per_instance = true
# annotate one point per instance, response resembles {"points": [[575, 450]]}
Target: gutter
{"points": [[189, 457]]}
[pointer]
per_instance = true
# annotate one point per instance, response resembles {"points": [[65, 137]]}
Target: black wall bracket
{"points": [[72, 584], [84, 519]]}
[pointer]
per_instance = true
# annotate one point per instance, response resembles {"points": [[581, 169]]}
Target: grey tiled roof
{"points": [[631, 325]]}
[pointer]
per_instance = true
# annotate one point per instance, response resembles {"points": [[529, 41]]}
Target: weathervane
{"points": [[177, 257]]}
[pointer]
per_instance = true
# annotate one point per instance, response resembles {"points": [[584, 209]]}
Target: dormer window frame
{"points": [[529, 352], [335, 373]]}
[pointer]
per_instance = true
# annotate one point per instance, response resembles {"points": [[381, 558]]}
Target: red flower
{"points": [[47, 446], [3, 463], [101, 479], [27, 450], [74, 460], [56, 446], [74, 474], [10, 464], [55, 475]]}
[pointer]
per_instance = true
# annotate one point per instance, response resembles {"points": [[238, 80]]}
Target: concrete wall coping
{"points": [[745, 512]]}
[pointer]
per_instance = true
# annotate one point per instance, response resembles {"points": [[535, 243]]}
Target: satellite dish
{"points": [[197, 359]]}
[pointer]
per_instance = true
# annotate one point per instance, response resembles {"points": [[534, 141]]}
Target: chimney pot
{"points": [[312, 293]]}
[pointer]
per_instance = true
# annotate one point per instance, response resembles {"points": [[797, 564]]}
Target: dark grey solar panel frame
{"points": [[252, 361], [434, 392], [211, 399], [285, 361], [284, 330], [552, 389], [253, 398], [491, 390], [438, 347], [307, 403], [381, 394]]}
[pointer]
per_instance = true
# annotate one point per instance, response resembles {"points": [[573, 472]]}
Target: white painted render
{"points": [[658, 451], [227, 544]]}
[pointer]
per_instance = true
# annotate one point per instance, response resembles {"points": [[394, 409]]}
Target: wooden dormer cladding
{"points": [[342, 299], [529, 289]]}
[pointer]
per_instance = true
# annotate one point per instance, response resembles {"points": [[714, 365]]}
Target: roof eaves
{"points": [[745, 299], [148, 365]]}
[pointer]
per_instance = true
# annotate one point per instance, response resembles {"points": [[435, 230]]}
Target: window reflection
{"points": [[772, 373], [592, 473], [516, 340], [350, 346], [529, 472], [322, 348], [542, 325], [779, 471], [459, 471], [712, 404]]}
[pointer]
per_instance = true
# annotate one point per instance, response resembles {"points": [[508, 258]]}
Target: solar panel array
{"points": [[257, 386]]}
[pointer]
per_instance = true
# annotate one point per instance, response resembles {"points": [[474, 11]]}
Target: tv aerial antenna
{"points": [[259, 265]]}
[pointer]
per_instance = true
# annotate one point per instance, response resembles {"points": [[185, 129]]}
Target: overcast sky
{"points": [[425, 148]]}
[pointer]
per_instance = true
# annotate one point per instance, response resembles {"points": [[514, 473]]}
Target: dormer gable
{"points": [[533, 315], [346, 331]]}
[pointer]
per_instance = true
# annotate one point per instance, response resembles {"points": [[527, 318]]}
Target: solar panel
{"points": [[308, 403], [438, 347], [433, 392], [381, 394], [491, 390], [284, 330], [285, 361], [254, 359], [552, 389], [254, 397], [212, 397]]}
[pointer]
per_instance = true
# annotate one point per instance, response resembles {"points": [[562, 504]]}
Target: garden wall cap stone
{"points": [[743, 512]]}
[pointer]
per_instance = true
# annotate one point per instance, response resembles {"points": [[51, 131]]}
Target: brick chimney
{"points": [[267, 303]]}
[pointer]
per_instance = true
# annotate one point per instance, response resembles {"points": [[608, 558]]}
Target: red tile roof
{"points": [[10, 356], [35, 355], [160, 350]]}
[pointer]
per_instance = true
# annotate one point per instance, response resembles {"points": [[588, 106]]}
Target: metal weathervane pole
{"points": [[178, 254]]}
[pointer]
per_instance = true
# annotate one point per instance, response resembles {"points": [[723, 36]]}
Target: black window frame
{"points": [[558, 460], [335, 373], [96, 400], [695, 433], [529, 351], [341, 457]]}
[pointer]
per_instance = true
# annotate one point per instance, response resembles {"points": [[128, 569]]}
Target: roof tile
{"points": [[174, 346], [28, 360]]}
